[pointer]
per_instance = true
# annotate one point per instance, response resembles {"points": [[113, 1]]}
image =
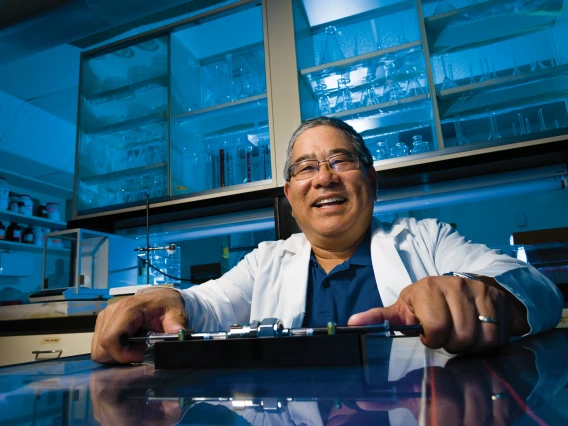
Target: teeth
{"points": [[329, 200]]}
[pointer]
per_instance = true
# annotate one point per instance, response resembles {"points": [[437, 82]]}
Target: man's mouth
{"points": [[329, 202]]}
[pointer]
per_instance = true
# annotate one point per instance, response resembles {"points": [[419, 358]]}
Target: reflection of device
{"points": [[266, 344], [84, 264]]}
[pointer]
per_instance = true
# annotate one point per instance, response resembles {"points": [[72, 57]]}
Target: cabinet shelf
{"points": [[121, 174], [11, 246], [129, 124], [121, 93], [225, 116], [392, 116], [500, 82], [518, 96], [326, 68], [486, 22], [9, 216]]}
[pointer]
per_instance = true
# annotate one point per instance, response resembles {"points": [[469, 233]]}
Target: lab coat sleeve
{"points": [[216, 304], [452, 253]]}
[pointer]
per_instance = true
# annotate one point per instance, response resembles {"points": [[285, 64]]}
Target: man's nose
{"points": [[325, 175]]}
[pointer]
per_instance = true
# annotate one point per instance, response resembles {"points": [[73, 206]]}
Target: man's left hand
{"points": [[449, 309]]}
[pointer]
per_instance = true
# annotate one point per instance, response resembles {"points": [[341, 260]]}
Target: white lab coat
{"points": [[271, 281]]}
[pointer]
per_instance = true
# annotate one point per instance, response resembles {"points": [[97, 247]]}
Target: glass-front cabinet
{"points": [[426, 78], [123, 138], [175, 113], [204, 107]]}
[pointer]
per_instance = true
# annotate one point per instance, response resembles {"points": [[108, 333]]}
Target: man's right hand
{"points": [[159, 310]]}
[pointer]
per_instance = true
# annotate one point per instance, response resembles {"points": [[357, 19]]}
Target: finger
{"points": [[429, 305], [128, 320], [490, 303], [465, 325], [377, 316], [174, 320], [98, 354]]}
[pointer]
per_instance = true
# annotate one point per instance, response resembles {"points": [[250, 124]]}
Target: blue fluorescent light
{"points": [[467, 195]]}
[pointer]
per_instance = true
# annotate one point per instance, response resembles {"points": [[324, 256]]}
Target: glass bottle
{"points": [[2, 232], [344, 101], [418, 145], [14, 233], [331, 51], [323, 104], [382, 151], [401, 150]]}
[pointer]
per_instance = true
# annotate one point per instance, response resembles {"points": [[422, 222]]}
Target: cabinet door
{"points": [[220, 127], [122, 151], [364, 62], [499, 70]]}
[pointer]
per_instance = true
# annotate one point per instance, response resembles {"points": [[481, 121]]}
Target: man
{"points": [[346, 266]]}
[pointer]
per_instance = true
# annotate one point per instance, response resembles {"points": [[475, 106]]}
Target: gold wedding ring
{"points": [[488, 319]]}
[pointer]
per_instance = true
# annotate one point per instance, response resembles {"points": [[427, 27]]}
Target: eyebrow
{"points": [[331, 153]]}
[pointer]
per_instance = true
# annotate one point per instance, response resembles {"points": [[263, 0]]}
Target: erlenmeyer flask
{"points": [[443, 6], [516, 70], [536, 64], [331, 51], [369, 95], [448, 82], [460, 138], [323, 106], [418, 145], [493, 130], [391, 90], [344, 101]]}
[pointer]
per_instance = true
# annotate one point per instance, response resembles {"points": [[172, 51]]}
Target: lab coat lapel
{"points": [[292, 303], [390, 272]]}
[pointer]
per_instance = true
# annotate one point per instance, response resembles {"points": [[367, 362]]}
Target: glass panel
{"points": [[123, 142], [220, 134], [499, 71], [365, 64]]}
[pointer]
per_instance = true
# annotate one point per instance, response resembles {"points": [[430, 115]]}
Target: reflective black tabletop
{"points": [[402, 383]]}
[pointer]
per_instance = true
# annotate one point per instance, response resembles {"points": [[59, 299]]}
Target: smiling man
{"points": [[348, 267]]}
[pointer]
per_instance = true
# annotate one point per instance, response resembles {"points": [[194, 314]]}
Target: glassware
{"points": [[493, 130], [516, 70], [382, 151], [369, 95], [228, 84], [391, 89], [443, 6], [344, 101], [460, 138], [418, 145], [541, 118], [401, 150], [323, 106], [331, 51], [536, 64], [413, 86], [448, 82], [523, 131]]}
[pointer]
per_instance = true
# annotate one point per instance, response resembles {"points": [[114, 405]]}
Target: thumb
{"points": [[377, 316], [174, 320]]}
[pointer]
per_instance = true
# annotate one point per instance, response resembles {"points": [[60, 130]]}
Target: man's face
{"points": [[331, 204]]}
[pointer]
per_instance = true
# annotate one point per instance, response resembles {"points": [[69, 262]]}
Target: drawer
{"points": [[19, 349]]}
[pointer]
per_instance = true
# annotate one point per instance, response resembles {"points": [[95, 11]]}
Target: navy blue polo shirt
{"points": [[348, 289]]}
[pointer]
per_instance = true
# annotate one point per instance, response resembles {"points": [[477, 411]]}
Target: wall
{"points": [[492, 222]]}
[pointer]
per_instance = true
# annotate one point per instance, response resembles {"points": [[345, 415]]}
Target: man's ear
{"points": [[287, 194], [372, 174]]}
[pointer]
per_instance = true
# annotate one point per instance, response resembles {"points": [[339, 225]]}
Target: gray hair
{"points": [[357, 141]]}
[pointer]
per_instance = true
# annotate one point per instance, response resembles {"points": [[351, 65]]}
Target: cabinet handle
{"points": [[53, 351]]}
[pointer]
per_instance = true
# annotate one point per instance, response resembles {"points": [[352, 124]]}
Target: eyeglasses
{"points": [[339, 163]]}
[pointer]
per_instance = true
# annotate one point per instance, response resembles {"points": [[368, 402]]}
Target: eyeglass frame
{"points": [[347, 153]]}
